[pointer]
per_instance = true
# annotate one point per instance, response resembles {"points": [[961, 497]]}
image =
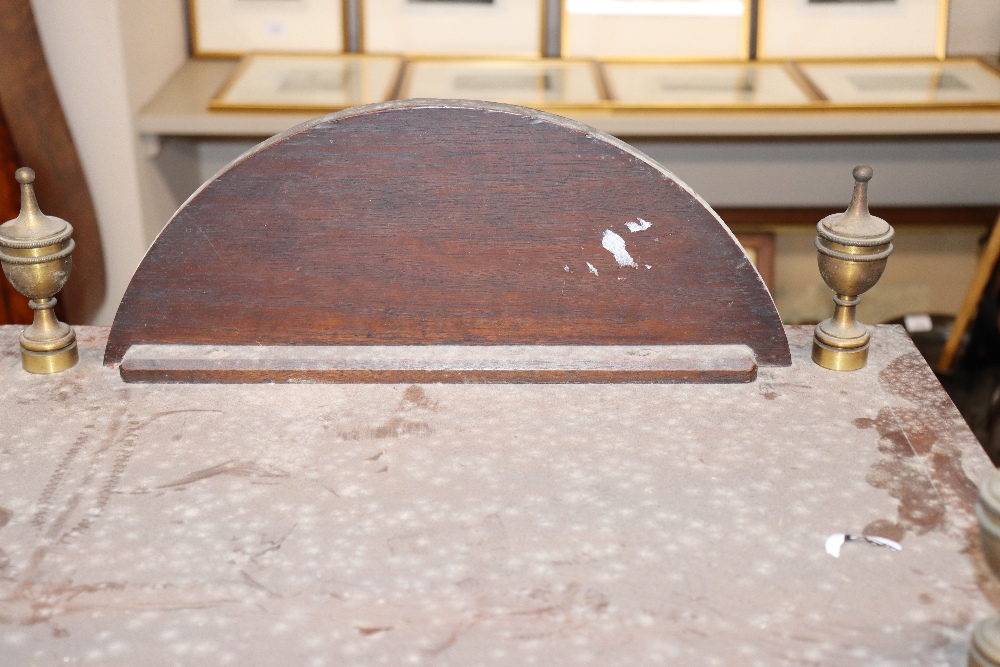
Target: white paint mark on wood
{"points": [[616, 246], [640, 226], [590, 267]]}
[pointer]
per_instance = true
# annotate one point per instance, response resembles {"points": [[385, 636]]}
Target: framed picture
{"points": [[702, 85], [236, 27], [659, 29], [453, 27], [852, 28], [541, 84], [961, 82], [279, 82]]}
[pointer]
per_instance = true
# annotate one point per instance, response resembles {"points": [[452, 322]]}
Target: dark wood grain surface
{"points": [[43, 142], [443, 222], [13, 307]]}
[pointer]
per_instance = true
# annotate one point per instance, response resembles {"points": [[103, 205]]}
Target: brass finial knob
{"points": [[853, 248], [985, 648], [35, 251]]}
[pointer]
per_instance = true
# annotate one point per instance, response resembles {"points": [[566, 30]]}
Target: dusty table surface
{"points": [[488, 524]]}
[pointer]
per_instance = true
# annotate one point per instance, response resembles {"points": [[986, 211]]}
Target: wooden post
{"points": [[971, 303]]}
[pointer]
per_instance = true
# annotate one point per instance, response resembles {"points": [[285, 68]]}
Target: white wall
{"points": [[781, 172], [154, 42], [973, 27], [83, 46]]}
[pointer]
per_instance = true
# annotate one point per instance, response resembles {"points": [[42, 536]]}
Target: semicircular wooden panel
{"points": [[446, 222]]}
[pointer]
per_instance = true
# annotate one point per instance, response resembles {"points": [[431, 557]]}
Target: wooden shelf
{"points": [[180, 108]]}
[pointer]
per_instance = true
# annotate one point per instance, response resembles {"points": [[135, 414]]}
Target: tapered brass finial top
{"points": [[856, 226], [32, 228]]}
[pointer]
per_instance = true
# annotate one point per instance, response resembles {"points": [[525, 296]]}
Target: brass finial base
{"points": [[48, 345], [43, 363], [985, 649], [841, 342], [835, 359]]}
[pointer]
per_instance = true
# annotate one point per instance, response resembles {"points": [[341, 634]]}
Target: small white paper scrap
{"points": [[883, 542], [918, 323], [837, 540], [833, 544]]}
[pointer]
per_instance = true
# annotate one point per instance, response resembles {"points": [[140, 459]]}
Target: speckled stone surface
{"points": [[488, 524]]}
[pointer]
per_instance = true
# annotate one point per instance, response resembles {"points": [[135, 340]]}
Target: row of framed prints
{"points": [[282, 82], [660, 29]]}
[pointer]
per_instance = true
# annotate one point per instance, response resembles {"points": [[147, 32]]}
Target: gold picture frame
{"points": [[446, 28], [852, 29], [230, 28], [308, 82], [675, 30], [699, 86], [956, 83], [548, 84]]}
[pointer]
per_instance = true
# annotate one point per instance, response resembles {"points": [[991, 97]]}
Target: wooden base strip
{"points": [[440, 364]]}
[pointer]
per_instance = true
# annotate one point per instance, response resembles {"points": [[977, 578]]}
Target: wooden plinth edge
{"points": [[531, 364]]}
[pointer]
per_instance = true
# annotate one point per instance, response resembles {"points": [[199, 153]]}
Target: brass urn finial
{"points": [[35, 253], [853, 248], [985, 648]]}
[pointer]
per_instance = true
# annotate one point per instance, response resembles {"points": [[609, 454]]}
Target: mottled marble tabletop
{"points": [[488, 524]]}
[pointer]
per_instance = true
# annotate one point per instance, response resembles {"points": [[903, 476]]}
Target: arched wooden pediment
{"points": [[446, 222]]}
